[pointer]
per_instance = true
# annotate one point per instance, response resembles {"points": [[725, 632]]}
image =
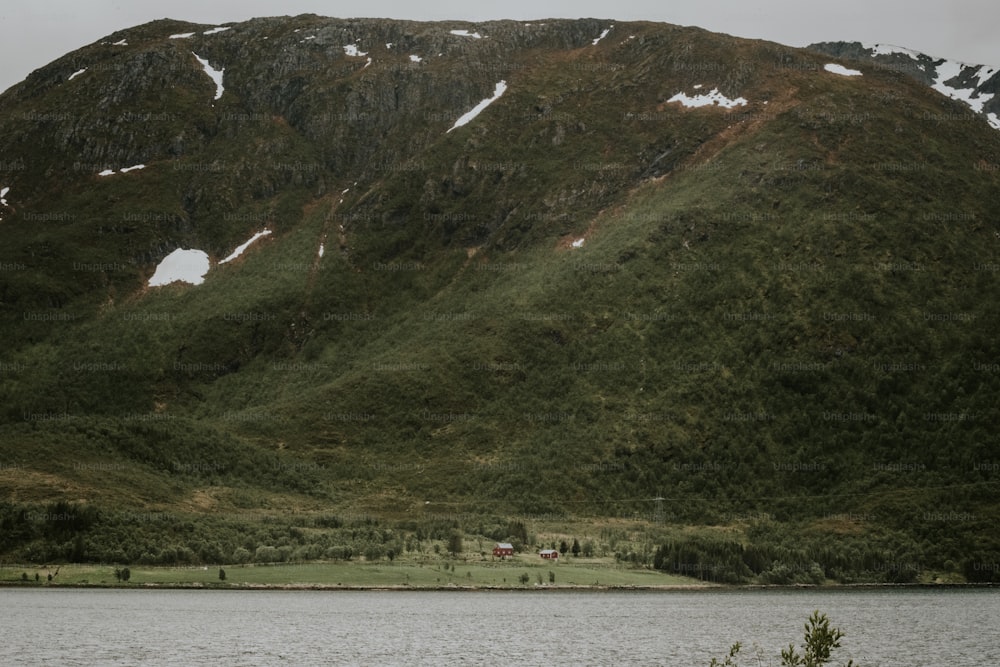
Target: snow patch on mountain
{"points": [[243, 246], [214, 74], [890, 49], [985, 74], [841, 70], [215, 31], [123, 170], [476, 110], [714, 97], [121, 42], [604, 33], [76, 74], [947, 71], [181, 35], [3, 196], [466, 33], [187, 266], [353, 50], [415, 58]]}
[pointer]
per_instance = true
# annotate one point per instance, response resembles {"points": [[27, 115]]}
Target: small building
{"points": [[549, 553], [503, 549]]}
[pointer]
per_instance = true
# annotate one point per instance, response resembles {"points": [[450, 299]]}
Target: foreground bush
{"points": [[819, 642]]}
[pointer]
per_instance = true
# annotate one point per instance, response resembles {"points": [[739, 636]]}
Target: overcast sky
{"points": [[35, 32]]}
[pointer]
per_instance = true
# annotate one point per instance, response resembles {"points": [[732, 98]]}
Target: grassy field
{"points": [[504, 574]]}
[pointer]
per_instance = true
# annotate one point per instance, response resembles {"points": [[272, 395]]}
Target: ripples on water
{"points": [[912, 628]]}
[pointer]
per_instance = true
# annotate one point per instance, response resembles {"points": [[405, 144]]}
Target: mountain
{"points": [[975, 85], [721, 306]]}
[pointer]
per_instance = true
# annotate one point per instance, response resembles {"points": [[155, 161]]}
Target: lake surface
{"points": [[897, 628]]}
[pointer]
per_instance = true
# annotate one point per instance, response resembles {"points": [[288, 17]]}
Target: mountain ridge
{"points": [[975, 85]]}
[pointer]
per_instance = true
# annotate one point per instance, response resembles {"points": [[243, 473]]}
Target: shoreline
{"points": [[664, 588]]}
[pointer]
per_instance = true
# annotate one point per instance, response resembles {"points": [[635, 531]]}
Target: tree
{"points": [[552, 577], [525, 578], [222, 574], [455, 543], [563, 548], [126, 574], [575, 549]]}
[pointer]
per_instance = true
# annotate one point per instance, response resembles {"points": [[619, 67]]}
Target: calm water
{"points": [[914, 628]]}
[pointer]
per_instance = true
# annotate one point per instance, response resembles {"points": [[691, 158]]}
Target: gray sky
{"points": [[35, 32]]}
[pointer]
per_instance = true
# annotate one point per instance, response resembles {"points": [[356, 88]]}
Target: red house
{"points": [[549, 553], [503, 549]]}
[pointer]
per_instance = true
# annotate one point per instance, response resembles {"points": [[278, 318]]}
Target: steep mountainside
{"points": [[558, 269]]}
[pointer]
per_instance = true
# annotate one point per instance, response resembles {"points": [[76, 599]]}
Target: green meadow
{"points": [[592, 572]]}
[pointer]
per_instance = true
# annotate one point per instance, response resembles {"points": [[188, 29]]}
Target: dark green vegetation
{"points": [[818, 646], [771, 359]]}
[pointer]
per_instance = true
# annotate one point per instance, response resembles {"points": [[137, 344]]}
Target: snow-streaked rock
{"points": [[947, 71], [476, 110], [604, 33], [214, 74]]}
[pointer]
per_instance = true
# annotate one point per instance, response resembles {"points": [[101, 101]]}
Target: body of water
{"points": [[897, 628]]}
